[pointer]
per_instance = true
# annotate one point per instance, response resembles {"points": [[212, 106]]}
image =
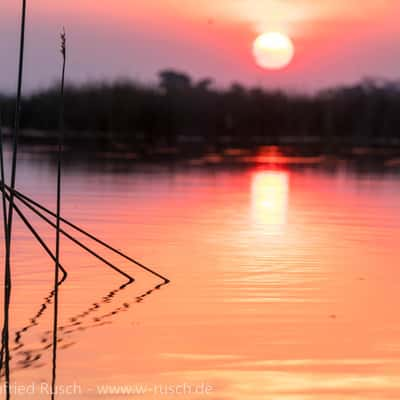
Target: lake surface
{"points": [[284, 283]]}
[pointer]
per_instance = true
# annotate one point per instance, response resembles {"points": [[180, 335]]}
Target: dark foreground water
{"points": [[284, 284]]}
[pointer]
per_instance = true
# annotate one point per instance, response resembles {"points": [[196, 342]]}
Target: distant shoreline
{"points": [[194, 141], [309, 153]]}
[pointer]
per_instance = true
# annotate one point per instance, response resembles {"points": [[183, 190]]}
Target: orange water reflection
{"points": [[269, 198], [284, 285]]}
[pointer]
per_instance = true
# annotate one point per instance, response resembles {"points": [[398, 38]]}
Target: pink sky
{"points": [[336, 41]]}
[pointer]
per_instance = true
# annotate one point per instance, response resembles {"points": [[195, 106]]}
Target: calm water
{"points": [[284, 283]]}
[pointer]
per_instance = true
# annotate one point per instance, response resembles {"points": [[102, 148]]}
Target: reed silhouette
{"points": [[7, 273], [11, 196], [34, 357], [35, 207], [31, 357], [58, 213], [2, 177], [50, 254], [4, 209]]}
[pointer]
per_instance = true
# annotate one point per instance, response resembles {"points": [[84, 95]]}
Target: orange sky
{"points": [[337, 41]]}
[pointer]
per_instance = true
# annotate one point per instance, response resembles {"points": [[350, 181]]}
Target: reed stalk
{"points": [[29, 202], [58, 215], [7, 272], [70, 237], [4, 207]]}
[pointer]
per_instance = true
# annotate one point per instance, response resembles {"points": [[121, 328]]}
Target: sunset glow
{"points": [[332, 40]]}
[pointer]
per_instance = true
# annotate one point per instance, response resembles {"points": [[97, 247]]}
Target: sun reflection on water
{"points": [[269, 198]]}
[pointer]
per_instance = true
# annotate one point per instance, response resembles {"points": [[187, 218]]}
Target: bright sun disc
{"points": [[273, 50]]}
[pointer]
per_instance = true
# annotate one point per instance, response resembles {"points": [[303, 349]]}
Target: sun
{"points": [[273, 50]]}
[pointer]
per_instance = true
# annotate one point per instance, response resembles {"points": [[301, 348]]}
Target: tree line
{"points": [[179, 111]]}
